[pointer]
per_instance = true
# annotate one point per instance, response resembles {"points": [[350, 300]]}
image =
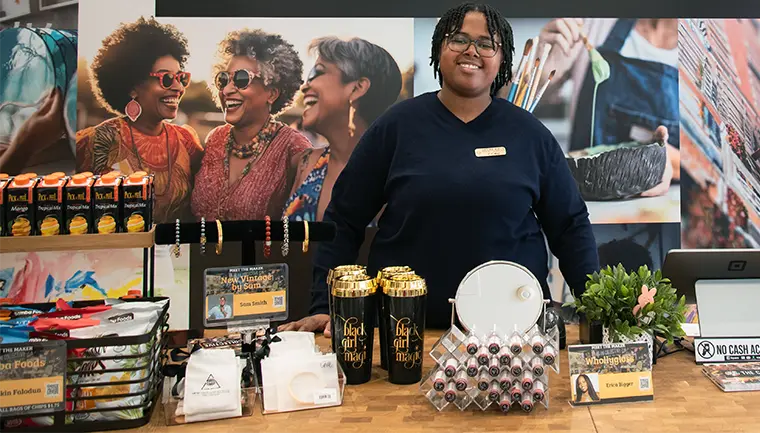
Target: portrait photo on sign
{"points": [[720, 131], [607, 89], [236, 118]]}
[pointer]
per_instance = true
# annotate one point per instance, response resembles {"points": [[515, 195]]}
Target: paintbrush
{"points": [[533, 73], [541, 92], [526, 73], [520, 69], [534, 86]]}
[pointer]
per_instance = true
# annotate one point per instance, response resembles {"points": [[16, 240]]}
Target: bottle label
{"points": [[407, 342], [353, 342]]}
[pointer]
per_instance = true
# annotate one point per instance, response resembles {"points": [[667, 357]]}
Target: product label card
{"points": [[32, 377], [610, 373], [710, 350], [245, 293]]}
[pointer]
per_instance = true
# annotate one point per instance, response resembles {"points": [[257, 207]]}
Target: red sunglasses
{"points": [[167, 78]]}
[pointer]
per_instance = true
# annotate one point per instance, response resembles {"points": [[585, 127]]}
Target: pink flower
{"points": [[645, 298]]}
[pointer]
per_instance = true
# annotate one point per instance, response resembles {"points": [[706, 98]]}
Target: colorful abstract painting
{"points": [[47, 276]]}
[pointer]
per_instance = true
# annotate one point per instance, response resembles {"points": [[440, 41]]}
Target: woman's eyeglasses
{"points": [[241, 78], [460, 43], [167, 78]]}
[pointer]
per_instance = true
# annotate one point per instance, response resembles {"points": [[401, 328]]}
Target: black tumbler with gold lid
{"points": [[334, 274], [353, 325], [383, 277], [404, 299]]}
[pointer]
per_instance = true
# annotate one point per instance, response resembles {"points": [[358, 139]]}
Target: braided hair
{"points": [[451, 22]]}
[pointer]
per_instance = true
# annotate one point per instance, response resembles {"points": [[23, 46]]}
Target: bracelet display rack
{"points": [[494, 368], [245, 231]]}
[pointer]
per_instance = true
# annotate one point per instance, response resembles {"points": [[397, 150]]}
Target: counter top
{"points": [[661, 209], [685, 401]]}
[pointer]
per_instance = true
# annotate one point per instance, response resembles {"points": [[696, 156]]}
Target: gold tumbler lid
{"points": [[334, 274], [354, 286], [405, 286]]}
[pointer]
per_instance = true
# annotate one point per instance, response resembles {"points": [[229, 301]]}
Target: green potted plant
{"points": [[635, 306]]}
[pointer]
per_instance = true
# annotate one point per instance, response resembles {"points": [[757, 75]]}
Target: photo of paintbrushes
{"points": [[541, 92], [539, 74], [523, 83], [533, 72], [520, 70]]}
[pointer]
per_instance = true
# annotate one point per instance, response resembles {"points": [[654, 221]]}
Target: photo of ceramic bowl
{"points": [[619, 171]]}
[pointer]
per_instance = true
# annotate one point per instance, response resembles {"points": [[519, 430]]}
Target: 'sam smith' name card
{"points": [[610, 373]]}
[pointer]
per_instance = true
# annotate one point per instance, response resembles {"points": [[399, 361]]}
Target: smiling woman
{"points": [[137, 75], [461, 158], [249, 163]]}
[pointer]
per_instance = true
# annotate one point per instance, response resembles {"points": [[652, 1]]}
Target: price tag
{"points": [[326, 396]]}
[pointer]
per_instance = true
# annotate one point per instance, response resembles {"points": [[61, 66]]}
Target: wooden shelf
{"points": [[20, 244]]}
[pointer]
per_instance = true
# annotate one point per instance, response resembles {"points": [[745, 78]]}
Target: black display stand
{"points": [[247, 232]]}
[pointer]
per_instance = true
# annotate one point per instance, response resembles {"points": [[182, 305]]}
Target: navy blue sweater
{"points": [[448, 211]]}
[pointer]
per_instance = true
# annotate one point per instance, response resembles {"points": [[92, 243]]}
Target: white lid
{"points": [[499, 295]]}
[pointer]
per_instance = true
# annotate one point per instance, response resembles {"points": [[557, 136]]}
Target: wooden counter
{"points": [[685, 401]]}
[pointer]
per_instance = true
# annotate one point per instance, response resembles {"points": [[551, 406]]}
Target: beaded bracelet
{"points": [[285, 236], [203, 235], [268, 239]]}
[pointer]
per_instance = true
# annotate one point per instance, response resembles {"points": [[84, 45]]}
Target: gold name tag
{"points": [[485, 152]]}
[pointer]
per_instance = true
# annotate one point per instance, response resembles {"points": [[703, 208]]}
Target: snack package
{"points": [[124, 319], [12, 336]]}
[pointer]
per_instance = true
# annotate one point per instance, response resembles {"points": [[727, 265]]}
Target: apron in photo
{"points": [[638, 97]]}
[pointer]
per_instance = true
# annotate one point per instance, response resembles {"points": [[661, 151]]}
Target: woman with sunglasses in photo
{"points": [[351, 84], [463, 178], [137, 75], [250, 161]]}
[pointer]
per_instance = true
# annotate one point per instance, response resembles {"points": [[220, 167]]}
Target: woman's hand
{"points": [[38, 133], [561, 34], [315, 323], [661, 136]]}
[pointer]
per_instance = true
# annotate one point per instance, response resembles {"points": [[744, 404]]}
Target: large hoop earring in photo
{"points": [[351, 113], [133, 110]]}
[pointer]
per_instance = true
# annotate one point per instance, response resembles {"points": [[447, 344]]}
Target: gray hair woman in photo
{"points": [[351, 84]]}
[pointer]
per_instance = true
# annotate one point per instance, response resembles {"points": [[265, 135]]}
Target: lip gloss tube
{"points": [[494, 344], [516, 368], [537, 344], [484, 381], [483, 356], [494, 368], [537, 365], [538, 391], [451, 392], [505, 403], [472, 366], [472, 344], [515, 344], [527, 380], [527, 403], [505, 358], [515, 393], [461, 381], [494, 392], [451, 367], [549, 355], [505, 381], [439, 382]]}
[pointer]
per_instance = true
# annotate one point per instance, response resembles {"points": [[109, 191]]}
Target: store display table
{"points": [[685, 401]]}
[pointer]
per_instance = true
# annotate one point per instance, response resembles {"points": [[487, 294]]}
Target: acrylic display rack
{"points": [[460, 377]]}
